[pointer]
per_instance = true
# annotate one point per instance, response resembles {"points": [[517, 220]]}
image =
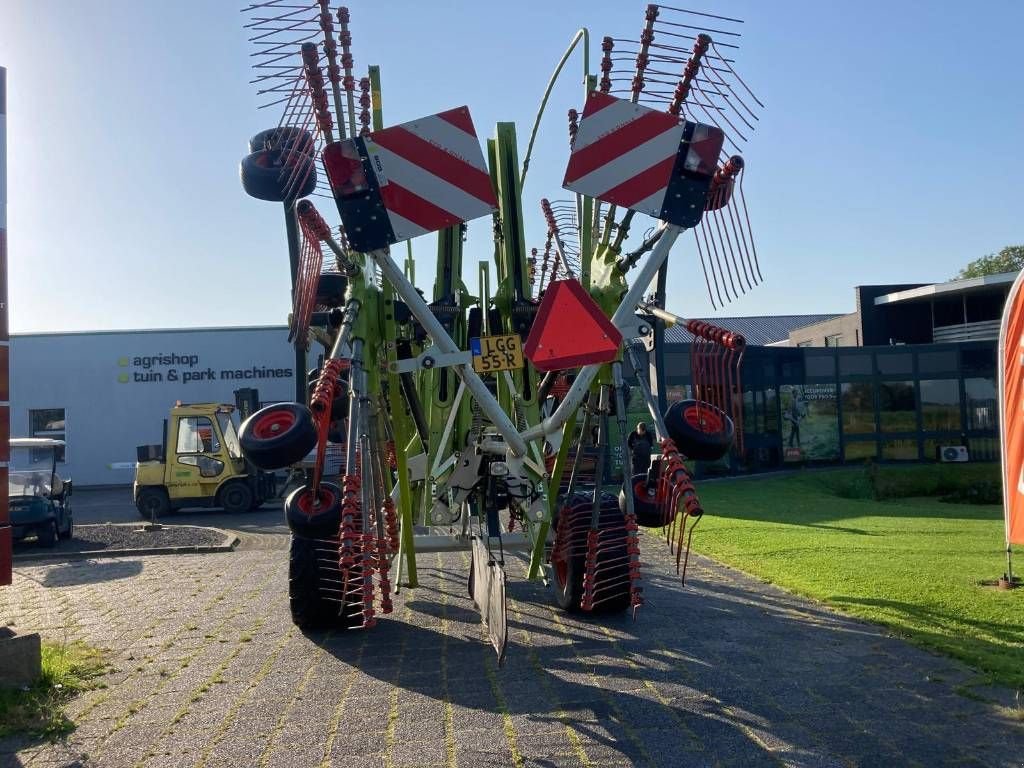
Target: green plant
{"points": [[38, 710]]}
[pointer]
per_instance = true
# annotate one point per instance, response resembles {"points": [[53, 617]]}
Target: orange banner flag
{"points": [[1011, 411]]}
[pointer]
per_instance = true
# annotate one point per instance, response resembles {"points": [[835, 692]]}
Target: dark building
{"points": [[909, 376]]}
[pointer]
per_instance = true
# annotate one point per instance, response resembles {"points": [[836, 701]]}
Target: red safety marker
{"points": [[570, 330], [638, 158], [410, 179]]}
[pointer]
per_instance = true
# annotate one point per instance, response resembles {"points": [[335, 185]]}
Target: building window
{"points": [[940, 405], [897, 406], [900, 450], [860, 450], [855, 365], [982, 403], [48, 422], [858, 403], [895, 363], [835, 340]]}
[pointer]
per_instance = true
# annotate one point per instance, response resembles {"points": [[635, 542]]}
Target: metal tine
{"points": [[746, 217], [741, 241], [704, 266], [710, 235], [283, 17], [677, 34], [699, 29], [727, 101], [740, 80], [739, 99], [719, 273], [724, 238], [290, 28]]}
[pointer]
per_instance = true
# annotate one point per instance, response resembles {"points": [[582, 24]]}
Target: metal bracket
{"points": [[487, 588], [429, 359]]}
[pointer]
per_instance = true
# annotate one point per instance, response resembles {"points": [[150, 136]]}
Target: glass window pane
{"points": [[820, 365], [771, 415], [984, 449], [937, 362], [895, 363], [860, 450], [948, 311], [47, 422], [900, 450], [982, 403], [855, 365], [197, 435], [897, 406], [940, 404], [858, 408]]}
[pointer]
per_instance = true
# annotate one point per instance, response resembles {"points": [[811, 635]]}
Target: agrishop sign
{"points": [[186, 368]]}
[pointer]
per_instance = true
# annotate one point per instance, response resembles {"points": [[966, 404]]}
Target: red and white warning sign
{"points": [[638, 158], [570, 330], [410, 179]]}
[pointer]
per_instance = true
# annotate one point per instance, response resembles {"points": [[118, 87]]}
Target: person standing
{"points": [[639, 442]]}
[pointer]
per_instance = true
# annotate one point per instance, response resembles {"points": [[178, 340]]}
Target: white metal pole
{"points": [[5, 343]]}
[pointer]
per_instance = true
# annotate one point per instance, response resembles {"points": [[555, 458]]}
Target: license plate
{"points": [[497, 353]]}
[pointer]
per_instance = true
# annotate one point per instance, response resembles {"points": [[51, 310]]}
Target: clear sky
{"points": [[889, 150]]}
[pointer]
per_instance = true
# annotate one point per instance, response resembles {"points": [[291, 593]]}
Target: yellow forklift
{"points": [[199, 463]]}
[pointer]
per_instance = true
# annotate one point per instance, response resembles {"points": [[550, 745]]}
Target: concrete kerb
{"points": [[228, 544]]}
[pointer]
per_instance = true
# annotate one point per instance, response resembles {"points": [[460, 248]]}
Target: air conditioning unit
{"points": [[953, 453]]}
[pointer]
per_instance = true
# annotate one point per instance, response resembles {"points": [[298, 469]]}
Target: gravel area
{"points": [[88, 538]]}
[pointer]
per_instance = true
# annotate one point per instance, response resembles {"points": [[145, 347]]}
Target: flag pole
{"points": [[1010, 351]]}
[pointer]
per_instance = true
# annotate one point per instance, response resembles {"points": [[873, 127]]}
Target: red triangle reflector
{"points": [[570, 330]]}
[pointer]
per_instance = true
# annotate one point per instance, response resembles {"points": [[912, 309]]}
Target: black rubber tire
{"points": [[48, 534], [315, 522], [645, 507], [273, 175], [568, 572], [339, 406], [330, 289], [69, 529], [700, 430], [283, 137], [277, 436], [235, 497], [311, 571], [153, 500]]}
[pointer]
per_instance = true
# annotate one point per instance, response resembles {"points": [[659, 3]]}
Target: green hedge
{"points": [[963, 483]]}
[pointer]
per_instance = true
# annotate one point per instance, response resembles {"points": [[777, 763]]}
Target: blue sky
{"points": [[888, 151]]}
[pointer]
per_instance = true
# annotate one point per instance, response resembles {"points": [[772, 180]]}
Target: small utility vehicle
{"points": [[40, 500]]}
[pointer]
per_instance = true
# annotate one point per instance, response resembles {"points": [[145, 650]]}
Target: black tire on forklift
{"points": [[153, 500], [330, 289], [316, 521], [700, 430], [235, 496], [645, 505], [313, 576], [569, 567], [277, 436], [48, 534], [274, 175], [283, 137]]}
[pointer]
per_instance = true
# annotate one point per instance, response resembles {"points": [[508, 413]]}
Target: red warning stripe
{"points": [[617, 143], [596, 101], [435, 160], [641, 186], [416, 209], [460, 118]]}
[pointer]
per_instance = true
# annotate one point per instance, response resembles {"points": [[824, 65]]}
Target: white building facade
{"points": [[107, 392]]}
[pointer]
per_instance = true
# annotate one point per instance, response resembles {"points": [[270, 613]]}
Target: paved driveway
{"points": [[727, 672]]}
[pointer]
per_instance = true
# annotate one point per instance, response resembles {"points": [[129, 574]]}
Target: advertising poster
{"points": [[810, 423]]}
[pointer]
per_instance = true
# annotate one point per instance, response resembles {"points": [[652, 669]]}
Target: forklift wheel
{"points": [[316, 521], [700, 430], [153, 503], [235, 496], [277, 436], [313, 577], [645, 505], [275, 175], [282, 137], [569, 564]]}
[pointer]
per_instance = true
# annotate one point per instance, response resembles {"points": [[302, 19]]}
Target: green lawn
{"points": [[912, 564]]}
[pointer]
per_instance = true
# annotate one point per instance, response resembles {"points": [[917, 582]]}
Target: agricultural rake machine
{"points": [[484, 421]]}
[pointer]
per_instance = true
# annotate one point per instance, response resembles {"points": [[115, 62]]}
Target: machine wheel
{"points": [[153, 502], [339, 406], [274, 175], [317, 521], [569, 565], [700, 430], [69, 530], [277, 436], [48, 534], [312, 569], [282, 137], [645, 505], [330, 289], [235, 497]]}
